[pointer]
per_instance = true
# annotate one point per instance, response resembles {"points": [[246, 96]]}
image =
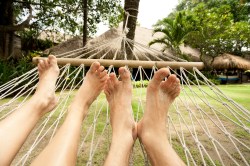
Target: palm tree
{"points": [[175, 32], [132, 7]]}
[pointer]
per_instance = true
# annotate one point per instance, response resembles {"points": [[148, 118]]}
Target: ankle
{"points": [[124, 127], [43, 104], [124, 141], [148, 132]]}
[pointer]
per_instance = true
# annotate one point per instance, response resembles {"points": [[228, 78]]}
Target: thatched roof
{"points": [[114, 39], [54, 36], [228, 61], [69, 45], [142, 36]]}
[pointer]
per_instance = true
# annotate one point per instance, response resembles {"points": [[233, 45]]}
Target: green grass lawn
{"points": [[186, 120], [239, 93]]}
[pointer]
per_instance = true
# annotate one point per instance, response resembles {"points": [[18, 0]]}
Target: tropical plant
{"points": [[223, 26], [175, 32], [131, 7]]}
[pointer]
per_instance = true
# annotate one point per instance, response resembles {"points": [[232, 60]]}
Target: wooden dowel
{"points": [[129, 63]]}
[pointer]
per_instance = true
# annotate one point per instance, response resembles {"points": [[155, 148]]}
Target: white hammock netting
{"points": [[205, 126]]}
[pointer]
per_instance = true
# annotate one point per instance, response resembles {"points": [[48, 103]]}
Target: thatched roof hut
{"points": [[142, 36], [228, 61], [69, 45], [113, 43]]}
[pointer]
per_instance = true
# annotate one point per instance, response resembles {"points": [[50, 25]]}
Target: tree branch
{"points": [[19, 27]]}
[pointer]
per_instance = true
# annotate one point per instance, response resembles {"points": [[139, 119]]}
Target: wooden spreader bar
{"points": [[129, 63]]}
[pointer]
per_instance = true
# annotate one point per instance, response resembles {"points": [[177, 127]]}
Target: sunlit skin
{"points": [[62, 150], [43, 101]]}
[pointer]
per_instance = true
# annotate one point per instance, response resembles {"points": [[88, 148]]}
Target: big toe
{"points": [[52, 59], [94, 66], [125, 75]]}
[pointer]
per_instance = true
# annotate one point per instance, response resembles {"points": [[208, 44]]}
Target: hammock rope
{"points": [[202, 122]]}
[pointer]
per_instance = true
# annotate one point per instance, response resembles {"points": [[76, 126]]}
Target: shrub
{"points": [[12, 68], [142, 83]]}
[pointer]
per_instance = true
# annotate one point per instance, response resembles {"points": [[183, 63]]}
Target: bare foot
{"points": [[91, 87], [62, 150], [152, 130], [45, 93], [119, 96], [124, 130]]}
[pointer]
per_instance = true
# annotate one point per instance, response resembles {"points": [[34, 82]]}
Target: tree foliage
{"points": [[67, 15], [239, 8], [221, 26], [175, 31], [54, 15], [219, 30]]}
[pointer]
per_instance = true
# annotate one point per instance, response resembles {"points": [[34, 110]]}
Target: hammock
{"points": [[205, 126]]}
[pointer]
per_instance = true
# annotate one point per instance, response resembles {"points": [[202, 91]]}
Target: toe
{"points": [[46, 63], [41, 64], [52, 60], [177, 92], [104, 78], [103, 74], [101, 68], [113, 78], [94, 66], [110, 85], [171, 85], [159, 76], [40, 69], [172, 79], [124, 74]]}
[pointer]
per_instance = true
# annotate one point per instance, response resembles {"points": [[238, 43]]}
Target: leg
{"points": [[119, 96], [12, 136], [62, 150], [152, 130]]}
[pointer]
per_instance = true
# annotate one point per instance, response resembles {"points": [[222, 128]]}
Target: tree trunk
{"points": [[132, 7], [6, 38], [85, 21]]}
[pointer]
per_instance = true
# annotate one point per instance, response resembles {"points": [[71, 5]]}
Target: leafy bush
{"points": [[212, 77], [30, 41], [142, 83], [215, 81], [12, 68]]}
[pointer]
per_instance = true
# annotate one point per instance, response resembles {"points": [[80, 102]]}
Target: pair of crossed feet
{"points": [[160, 94]]}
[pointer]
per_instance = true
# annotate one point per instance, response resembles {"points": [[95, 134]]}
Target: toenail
{"points": [[165, 77], [124, 71]]}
